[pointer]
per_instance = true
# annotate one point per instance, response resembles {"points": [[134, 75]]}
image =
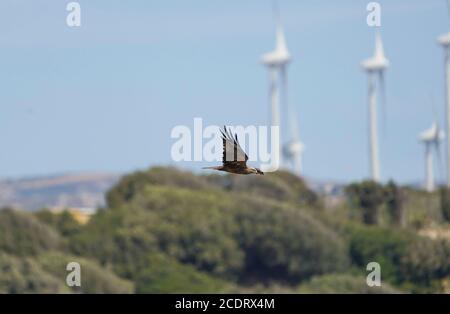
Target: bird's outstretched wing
{"points": [[233, 155]]}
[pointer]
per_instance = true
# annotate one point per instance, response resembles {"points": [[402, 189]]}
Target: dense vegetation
{"points": [[167, 231]]}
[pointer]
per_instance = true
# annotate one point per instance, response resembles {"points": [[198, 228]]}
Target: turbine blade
{"points": [[439, 162], [383, 102], [448, 8], [292, 123], [435, 113], [275, 11], [433, 107], [291, 114]]}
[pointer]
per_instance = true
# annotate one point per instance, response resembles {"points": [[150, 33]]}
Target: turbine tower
{"points": [[444, 41], [375, 67], [276, 62], [431, 139]]}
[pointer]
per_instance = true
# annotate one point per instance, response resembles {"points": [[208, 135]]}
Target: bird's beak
{"points": [[260, 172]]}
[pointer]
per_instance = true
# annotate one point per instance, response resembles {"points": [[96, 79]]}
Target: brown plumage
{"points": [[234, 159]]}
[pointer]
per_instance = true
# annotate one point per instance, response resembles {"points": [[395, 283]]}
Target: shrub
{"points": [[369, 196], [188, 225], [194, 227], [25, 275], [445, 203], [23, 234], [394, 197], [94, 278], [166, 275], [382, 245], [132, 184], [425, 261], [280, 185], [222, 234], [117, 238], [403, 256], [63, 222], [285, 243]]}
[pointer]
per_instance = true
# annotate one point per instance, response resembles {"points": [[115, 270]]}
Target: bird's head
{"points": [[258, 171]]}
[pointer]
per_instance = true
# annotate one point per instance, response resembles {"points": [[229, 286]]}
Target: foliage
{"points": [[23, 234], [166, 275], [369, 196], [445, 203], [63, 222], [394, 197], [280, 185], [132, 184], [167, 231], [404, 257], [231, 237], [422, 208], [46, 273], [425, 261], [287, 244], [94, 278], [25, 275], [117, 239], [198, 229], [382, 245]]}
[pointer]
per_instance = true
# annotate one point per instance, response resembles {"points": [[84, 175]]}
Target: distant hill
{"points": [[81, 190]]}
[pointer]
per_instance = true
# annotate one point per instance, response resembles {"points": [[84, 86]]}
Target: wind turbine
{"points": [[431, 139], [375, 67], [444, 41], [276, 62]]}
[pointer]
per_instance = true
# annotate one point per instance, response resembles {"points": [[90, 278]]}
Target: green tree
{"points": [[63, 222], [285, 243], [406, 259], [385, 246], [394, 197], [280, 185], [445, 203], [165, 275], [94, 278], [26, 275], [369, 196], [23, 234], [131, 185]]}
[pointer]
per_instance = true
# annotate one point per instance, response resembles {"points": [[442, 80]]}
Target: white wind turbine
{"points": [[375, 67], [431, 138], [276, 62], [444, 41]]}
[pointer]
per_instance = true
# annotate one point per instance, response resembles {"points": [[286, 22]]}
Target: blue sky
{"points": [[105, 96]]}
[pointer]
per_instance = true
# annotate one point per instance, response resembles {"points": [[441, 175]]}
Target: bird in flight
{"points": [[234, 159]]}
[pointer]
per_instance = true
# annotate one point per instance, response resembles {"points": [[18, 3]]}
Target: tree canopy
{"points": [[164, 231]]}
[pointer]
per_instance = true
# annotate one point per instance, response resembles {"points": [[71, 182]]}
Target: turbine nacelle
{"points": [[276, 58], [433, 134], [293, 148], [375, 64], [280, 56], [378, 61], [431, 138], [444, 40]]}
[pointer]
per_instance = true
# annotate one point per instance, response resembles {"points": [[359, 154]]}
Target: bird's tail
{"points": [[214, 168]]}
